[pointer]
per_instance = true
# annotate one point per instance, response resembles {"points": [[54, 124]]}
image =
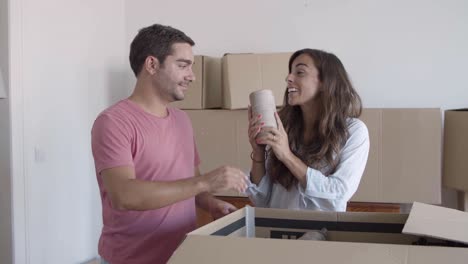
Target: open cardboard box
{"points": [[430, 234]]}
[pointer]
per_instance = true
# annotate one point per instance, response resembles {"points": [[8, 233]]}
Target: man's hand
{"points": [[219, 208], [225, 178], [216, 207]]}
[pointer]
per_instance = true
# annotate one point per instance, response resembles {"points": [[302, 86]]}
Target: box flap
{"points": [[437, 222]]}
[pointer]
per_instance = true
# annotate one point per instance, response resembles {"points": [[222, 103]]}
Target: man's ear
{"points": [[151, 65]]}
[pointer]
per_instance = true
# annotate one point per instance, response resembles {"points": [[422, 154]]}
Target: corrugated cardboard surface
{"points": [[368, 247], [438, 222], [221, 138], [370, 188], [205, 91], [246, 73], [411, 155], [404, 162], [207, 250], [235, 250], [456, 149]]}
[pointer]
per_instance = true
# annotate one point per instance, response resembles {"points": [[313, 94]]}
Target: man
{"points": [[146, 158]]}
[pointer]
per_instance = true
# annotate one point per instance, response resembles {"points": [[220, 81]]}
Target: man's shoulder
{"points": [[179, 114], [116, 108], [117, 112]]}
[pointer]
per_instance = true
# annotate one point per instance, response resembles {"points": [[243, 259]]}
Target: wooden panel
{"points": [[238, 202], [373, 207], [203, 217]]}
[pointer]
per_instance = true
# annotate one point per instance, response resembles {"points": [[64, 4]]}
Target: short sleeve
{"points": [[111, 143]]}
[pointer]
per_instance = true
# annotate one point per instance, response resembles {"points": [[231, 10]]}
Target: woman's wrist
{"points": [[257, 157], [288, 158]]}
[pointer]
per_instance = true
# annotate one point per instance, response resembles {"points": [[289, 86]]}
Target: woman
{"points": [[316, 157]]}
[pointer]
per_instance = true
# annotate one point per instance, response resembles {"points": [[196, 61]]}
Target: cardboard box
{"points": [[245, 73], [456, 149], [205, 91], [429, 235], [404, 163], [221, 138], [405, 157]]}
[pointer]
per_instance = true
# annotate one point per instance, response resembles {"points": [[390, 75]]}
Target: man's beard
{"points": [[178, 95]]}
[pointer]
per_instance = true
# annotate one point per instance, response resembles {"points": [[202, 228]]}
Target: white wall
{"points": [[399, 53], [68, 59], [5, 156]]}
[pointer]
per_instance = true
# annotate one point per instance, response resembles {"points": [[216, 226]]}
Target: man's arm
{"points": [[128, 193]]}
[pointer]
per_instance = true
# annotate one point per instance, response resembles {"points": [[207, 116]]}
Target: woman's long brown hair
{"points": [[338, 101]]}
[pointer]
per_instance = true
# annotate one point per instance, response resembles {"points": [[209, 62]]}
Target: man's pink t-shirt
{"points": [[159, 149]]}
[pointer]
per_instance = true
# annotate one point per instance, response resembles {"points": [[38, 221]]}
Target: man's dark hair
{"points": [[155, 40]]}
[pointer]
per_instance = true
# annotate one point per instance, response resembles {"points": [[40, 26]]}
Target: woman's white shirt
{"points": [[322, 193]]}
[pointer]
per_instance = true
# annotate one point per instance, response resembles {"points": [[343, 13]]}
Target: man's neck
{"points": [[147, 98]]}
